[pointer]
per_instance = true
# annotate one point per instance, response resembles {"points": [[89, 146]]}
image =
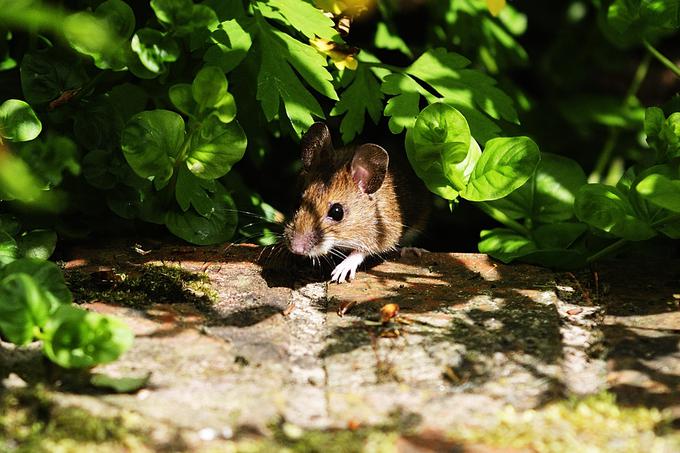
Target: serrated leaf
{"points": [[361, 97], [465, 89], [403, 108], [385, 39], [303, 16], [277, 82]]}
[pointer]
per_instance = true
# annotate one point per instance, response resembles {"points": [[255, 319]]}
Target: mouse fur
{"points": [[378, 210]]}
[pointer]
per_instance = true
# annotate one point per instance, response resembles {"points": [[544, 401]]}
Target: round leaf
{"points": [[23, 308], [215, 148], [38, 244], [429, 169], [75, 338], [182, 98], [46, 275], [506, 164], [151, 140], [209, 86], [18, 122], [442, 130]]}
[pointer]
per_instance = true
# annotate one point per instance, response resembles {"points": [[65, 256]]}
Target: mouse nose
{"points": [[302, 243]]}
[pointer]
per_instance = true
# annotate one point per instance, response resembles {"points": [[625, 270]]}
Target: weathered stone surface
{"points": [[265, 343]]}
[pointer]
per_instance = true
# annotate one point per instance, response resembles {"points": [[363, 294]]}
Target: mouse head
{"points": [[339, 196]]}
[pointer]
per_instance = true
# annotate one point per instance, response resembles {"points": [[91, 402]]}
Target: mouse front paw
{"points": [[347, 269]]}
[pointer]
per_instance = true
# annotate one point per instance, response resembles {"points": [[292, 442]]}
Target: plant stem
{"points": [[501, 217], [613, 136], [662, 58], [607, 250]]}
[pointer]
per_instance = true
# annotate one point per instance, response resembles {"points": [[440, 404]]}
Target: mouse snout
{"points": [[302, 243]]}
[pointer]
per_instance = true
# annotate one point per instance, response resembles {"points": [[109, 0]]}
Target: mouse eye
{"points": [[336, 212]]}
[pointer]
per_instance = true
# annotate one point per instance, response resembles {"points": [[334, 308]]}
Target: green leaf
{"points": [[23, 308], [607, 209], [75, 338], [209, 86], [8, 248], [505, 165], [103, 37], [182, 97], [45, 274], [231, 45], [50, 157], [559, 235], [549, 249], [154, 49], [362, 96], [386, 39], [661, 190], [150, 142], [215, 148], [277, 82], [219, 226], [403, 108], [442, 131], [38, 244], [504, 244], [120, 384], [303, 16], [429, 168], [46, 75], [18, 122], [9, 224], [468, 90], [184, 18], [634, 20], [549, 195], [193, 191], [173, 12], [97, 124]]}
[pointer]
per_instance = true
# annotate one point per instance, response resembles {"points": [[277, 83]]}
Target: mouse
{"points": [[355, 203]]}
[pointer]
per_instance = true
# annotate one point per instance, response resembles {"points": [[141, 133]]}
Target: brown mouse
{"points": [[355, 203]]}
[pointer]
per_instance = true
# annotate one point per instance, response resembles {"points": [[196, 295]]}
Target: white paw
{"points": [[347, 270]]}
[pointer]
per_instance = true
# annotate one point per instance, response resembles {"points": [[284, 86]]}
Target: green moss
{"points": [[595, 423], [144, 285], [31, 422]]}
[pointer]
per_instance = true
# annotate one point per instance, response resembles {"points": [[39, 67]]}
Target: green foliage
{"points": [[36, 304], [446, 156], [18, 122]]}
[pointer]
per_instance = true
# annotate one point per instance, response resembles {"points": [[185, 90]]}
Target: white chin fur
{"points": [[321, 249]]}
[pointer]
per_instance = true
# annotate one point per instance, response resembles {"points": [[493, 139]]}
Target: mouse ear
{"points": [[369, 167], [316, 145]]}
